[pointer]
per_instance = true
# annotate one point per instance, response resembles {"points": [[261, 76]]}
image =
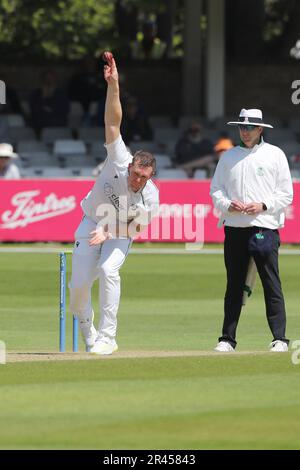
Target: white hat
{"points": [[6, 150], [253, 117]]}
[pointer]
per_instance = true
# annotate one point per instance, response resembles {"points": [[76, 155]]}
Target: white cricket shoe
{"points": [[104, 347], [89, 333], [224, 346], [278, 346]]}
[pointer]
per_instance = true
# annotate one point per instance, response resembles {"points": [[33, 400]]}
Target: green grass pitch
{"points": [[169, 303]]}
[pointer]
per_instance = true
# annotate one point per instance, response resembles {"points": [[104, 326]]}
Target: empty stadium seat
{"points": [[29, 173], [54, 172], [18, 134], [163, 161], [25, 107], [69, 147], [167, 133], [220, 122], [94, 108], [51, 134], [167, 146], [15, 120], [160, 121], [92, 134], [37, 159], [186, 121], [77, 160], [290, 148], [294, 124], [31, 146], [200, 174], [275, 121], [295, 174], [75, 115], [86, 172], [172, 174], [277, 136], [146, 145], [98, 151]]}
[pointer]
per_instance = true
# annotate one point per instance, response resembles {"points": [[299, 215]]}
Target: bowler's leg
{"points": [[113, 255], [84, 272]]}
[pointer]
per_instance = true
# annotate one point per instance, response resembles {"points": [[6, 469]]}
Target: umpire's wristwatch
{"points": [[264, 206]]}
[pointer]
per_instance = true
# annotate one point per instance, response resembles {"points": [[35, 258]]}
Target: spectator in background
{"points": [[222, 144], [135, 124], [13, 103], [49, 104], [150, 46], [194, 151], [8, 170], [86, 88]]}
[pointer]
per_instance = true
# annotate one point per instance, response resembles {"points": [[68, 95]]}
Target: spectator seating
{"points": [[186, 121], [200, 174], [15, 120], [290, 148], [31, 146], [275, 121], [157, 122], [220, 123], [166, 133], [294, 124], [162, 161], [75, 115], [277, 135], [38, 159], [49, 172], [17, 134], [64, 147], [72, 153], [58, 148], [295, 174], [98, 151], [172, 174], [92, 134], [146, 145], [85, 172], [51, 134]]}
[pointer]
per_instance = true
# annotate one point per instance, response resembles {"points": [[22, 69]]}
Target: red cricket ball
{"points": [[107, 56]]}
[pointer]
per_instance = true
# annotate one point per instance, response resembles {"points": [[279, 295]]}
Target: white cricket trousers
{"points": [[101, 262]]}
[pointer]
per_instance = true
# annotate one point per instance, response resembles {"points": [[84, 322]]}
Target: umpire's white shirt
{"points": [[259, 174], [111, 188]]}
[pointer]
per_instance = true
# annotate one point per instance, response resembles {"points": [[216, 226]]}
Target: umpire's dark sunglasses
{"points": [[246, 127]]}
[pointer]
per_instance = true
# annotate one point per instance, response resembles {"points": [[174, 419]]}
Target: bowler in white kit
{"points": [[121, 204]]}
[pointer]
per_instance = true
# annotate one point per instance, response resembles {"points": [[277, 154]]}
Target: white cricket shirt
{"points": [[10, 172], [111, 188], [259, 174]]}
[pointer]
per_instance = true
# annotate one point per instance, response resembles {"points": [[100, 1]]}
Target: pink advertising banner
{"points": [[49, 210]]}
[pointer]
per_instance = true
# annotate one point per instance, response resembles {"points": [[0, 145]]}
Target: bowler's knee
{"points": [[109, 273], [79, 298]]}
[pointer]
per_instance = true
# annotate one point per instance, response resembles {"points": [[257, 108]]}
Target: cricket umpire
{"points": [[120, 205], [251, 187]]}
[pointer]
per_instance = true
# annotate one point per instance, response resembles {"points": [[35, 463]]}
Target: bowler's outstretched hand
{"points": [[110, 69]]}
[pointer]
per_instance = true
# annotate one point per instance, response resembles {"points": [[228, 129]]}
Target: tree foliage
{"points": [[59, 29], [41, 30]]}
